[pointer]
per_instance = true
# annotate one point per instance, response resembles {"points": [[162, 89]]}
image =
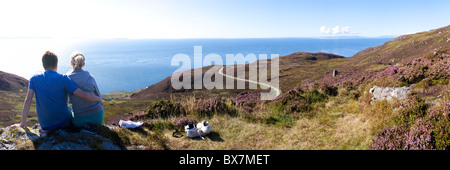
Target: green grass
{"points": [[118, 94], [335, 122], [339, 121]]}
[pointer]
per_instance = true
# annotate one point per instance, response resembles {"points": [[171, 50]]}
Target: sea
{"points": [[132, 64]]}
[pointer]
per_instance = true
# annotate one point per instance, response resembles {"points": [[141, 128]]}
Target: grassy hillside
{"points": [[11, 108], [364, 65], [12, 82], [319, 111], [12, 94], [294, 69]]}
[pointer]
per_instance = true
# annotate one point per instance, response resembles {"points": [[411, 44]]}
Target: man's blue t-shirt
{"points": [[51, 89]]}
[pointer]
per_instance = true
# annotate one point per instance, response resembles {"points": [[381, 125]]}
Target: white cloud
{"points": [[335, 30], [325, 30]]}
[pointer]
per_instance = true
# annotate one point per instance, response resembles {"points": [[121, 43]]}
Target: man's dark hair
{"points": [[49, 60]]}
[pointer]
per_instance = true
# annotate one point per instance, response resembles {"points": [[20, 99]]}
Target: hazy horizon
{"points": [[323, 37], [178, 19], [107, 59]]}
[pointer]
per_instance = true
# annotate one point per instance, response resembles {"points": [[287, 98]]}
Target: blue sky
{"points": [[219, 19]]}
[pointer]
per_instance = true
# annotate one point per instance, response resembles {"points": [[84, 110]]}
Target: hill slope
{"points": [[294, 68], [320, 111], [401, 50], [12, 93], [11, 82], [318, 67]]}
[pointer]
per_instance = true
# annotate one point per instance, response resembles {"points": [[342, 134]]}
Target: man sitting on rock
{"points": [[51, 90]]}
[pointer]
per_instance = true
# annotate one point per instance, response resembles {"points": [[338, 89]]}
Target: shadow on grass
{"points": [[213, 136]]}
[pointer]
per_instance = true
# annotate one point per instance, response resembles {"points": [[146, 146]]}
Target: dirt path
{"points": [[275, 90]]}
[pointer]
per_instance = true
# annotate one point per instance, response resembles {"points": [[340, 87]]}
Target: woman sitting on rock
{"points": [[84, 112]]}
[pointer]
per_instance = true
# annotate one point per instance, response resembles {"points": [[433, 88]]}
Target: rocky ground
{"points": [[89, 138]]}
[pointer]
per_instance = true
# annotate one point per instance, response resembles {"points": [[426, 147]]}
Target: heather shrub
{"points": [[355, 94], [390, 139], [442, 133], [440, 67], [415, 71], [423, 67], [297, 107], [390, 77], [435, 70], [382, 114], [420, 130], [400, 138], [329, 90], [314, 96], [297, 100], [295, 94], [348, 90], [181, 123], [425, 83], [440, 117], [413, 108], [420, 137], [210, 107], [446, 92], [390, 81], [247, 100], [448, 66], [366, 96], [165, 109], [390, 71], [185, 121]]}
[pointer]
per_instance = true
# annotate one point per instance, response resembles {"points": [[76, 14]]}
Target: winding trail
{"points": [[274, 89]]}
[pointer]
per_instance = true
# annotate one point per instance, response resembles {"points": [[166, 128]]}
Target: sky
{"points": [[138, 19]]}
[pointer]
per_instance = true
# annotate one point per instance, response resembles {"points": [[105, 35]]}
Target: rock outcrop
{"points": [[89, 138], [388, 93]]}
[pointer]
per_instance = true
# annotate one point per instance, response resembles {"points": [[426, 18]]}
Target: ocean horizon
{"points": [[132, 64]]}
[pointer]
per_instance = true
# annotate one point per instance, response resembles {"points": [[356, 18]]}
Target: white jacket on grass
{"points": [[201, 130], [204, 128]]}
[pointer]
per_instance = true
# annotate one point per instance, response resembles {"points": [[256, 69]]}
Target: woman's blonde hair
{"points": [[77, 59]]}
